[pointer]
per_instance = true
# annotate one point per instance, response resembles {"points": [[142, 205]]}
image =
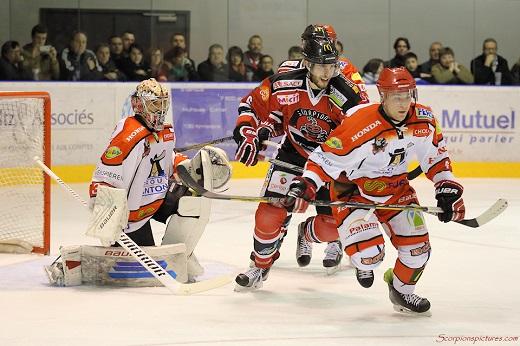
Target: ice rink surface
{"points": [[472, 282]]}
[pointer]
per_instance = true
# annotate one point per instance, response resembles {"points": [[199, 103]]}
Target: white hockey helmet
{"points": [[151, 101]]}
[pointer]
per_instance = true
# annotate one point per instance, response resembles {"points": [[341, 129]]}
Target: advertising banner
{"points": [[480, 123]]}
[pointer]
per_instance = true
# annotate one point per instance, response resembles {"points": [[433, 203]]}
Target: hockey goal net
{"points": [[24, 188]]}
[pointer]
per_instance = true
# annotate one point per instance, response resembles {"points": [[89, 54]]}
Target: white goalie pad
{"points": [[109, 215], [114, 266]]}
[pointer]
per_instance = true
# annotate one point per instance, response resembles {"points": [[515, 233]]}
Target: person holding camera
{"points": [[41, 59]]}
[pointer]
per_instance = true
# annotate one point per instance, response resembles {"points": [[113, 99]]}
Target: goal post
{"points": [[25, 132]]}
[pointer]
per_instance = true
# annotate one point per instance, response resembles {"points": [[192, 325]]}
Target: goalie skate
{"points": [[410, 304]]}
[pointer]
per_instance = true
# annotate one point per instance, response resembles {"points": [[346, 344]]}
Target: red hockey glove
{"points": [[301, 191], [449, 198], [248, 145]]}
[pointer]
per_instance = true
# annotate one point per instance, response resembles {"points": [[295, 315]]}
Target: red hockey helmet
{"points": [[395, 79]]}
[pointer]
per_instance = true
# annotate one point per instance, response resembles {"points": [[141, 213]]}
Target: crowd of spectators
{"points": [[121, 58]]}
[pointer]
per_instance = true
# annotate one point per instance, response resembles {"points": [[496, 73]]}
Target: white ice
{"points": [[471, 281]]}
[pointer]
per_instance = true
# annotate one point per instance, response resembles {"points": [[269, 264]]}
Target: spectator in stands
{"points": [[214, 69], [237, 68], [128, 38], [412, 65], [426, 67], [11, 67], [181, 67], [339, 48], [489, 68], [178, 40], [109, 69], [515, 73], [372, 69], [254, 53], [78, 63], [117, 53], [401, 47], [39, 58], [295, 53], [135, 67], [449, 71], [158, 67], [265, 68]]}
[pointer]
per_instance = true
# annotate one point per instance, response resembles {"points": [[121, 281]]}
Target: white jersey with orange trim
{"points": [[139, 161], [374, 152], [346, 67]]}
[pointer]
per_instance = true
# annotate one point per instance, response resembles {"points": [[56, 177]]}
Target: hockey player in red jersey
{"points": [[305, 105], [346, 67], [372, 148]]}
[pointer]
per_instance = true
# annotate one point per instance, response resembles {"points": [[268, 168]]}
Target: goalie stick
{"points": [[202, 145], [144, 259], [492, 212]]}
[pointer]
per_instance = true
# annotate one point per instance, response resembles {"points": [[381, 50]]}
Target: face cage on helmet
{"points": [[155, 120]]}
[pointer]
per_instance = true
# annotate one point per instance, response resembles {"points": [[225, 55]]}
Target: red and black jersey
{"points": [[305, 116]]}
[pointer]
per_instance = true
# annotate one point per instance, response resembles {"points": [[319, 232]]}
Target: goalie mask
{"points": [[150, 102], [209, 167]]}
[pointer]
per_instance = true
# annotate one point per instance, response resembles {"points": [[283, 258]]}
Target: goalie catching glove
{"points": [[449, 198], [301, 191]]}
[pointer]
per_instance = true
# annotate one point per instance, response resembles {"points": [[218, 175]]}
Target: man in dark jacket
{"points": [[489, 68], [11, 63], [214, 69]]}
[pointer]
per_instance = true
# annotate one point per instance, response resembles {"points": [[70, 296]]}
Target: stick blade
{"points": [[203, 286], [492, 212]]}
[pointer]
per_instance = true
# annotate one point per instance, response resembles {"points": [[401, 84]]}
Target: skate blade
{"points": [[332, 270], [405, 311], [252, 288]]}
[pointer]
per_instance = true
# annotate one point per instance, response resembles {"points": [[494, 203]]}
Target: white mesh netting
{"points": [[21, 182]]}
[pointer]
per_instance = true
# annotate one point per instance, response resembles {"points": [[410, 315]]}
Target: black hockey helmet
{"points": [[320, 31], [320, 51]]}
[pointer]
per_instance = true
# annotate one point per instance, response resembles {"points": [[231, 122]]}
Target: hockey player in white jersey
{"points": [[372, 148], [140, 159]]}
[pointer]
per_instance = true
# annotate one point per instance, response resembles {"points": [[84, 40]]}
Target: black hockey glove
{"points": [[449, 198], [301, 191]]}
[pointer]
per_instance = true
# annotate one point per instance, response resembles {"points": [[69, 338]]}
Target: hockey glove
{"points": [[301, 191], [449, 198], [248, 145]]}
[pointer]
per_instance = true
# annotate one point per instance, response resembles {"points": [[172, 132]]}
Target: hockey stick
{"points": [[496, 209], [145, 260], [201, 145]]}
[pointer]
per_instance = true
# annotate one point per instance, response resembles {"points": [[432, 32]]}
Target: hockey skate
{"points": [[251, 280], [406, 303], [303, 248], [365, 277], [333, 256]]}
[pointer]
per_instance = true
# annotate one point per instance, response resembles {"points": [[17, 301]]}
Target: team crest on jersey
{"points": [[397, 157], [112, 152], [423, 113], [157, 170], [313, 130], [379, 145], [334, 142]]}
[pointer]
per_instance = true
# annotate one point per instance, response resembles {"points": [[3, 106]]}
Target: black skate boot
{"points": [[406, 303], [333, 256], [365, 277], [251, 279], [303, 248]]}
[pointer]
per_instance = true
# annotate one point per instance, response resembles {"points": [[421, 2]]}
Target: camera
{"points": [[45, 49]]}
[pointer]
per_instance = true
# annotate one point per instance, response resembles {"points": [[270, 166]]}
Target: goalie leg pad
{"points": [[68, 271]]}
